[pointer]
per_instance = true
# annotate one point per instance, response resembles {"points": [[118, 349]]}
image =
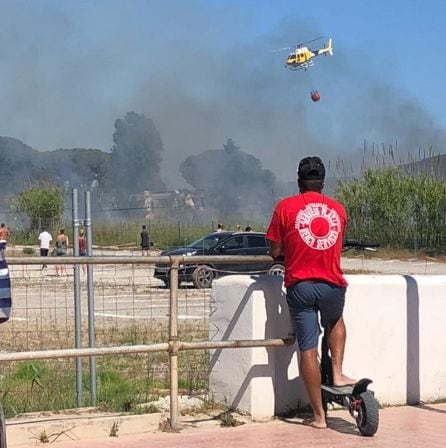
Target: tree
{"points": [[44, 205], [234, 182], [136, 155]]}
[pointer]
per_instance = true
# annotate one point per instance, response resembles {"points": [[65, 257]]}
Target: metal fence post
{"points": [[173, 344], [77, 299], [90, 291]]}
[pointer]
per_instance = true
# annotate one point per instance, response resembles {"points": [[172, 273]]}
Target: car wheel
{"points": [[203, 276], [277, 269]]}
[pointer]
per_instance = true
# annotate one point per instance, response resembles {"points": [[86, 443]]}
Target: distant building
{"points": [[170, 204]]}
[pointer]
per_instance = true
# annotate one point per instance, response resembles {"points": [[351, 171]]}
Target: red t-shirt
{"points": [[310, 227]]}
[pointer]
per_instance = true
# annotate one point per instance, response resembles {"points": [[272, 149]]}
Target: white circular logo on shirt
{"points": [[318, 225]]}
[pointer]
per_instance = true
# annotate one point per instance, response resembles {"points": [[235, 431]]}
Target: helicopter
{"points": [[302, 57]]}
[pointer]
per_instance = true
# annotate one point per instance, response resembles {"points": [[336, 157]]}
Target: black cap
{"points": [[311, 168]]}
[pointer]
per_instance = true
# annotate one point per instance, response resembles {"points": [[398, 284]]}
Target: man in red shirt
{"points": [[308, 229]]}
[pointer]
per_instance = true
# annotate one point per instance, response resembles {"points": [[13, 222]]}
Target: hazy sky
{"points": [[204, 72]]}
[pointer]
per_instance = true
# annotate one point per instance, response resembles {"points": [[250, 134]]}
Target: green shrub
{"points": [[394, 209]]}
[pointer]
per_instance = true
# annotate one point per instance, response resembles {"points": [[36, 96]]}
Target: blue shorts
{"points": [[305, 300]]}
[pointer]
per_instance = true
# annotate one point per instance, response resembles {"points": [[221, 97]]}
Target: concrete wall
{"points": [[396, 336]]}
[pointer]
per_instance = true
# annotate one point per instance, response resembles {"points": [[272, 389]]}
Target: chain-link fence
{"points": [[130, 308], [132, 314]]}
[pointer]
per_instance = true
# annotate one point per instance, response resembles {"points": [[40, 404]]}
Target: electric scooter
{"points": [[360, 401]]}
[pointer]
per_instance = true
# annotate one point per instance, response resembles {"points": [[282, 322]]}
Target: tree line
{"points": [[233, 181], [388, 205]]}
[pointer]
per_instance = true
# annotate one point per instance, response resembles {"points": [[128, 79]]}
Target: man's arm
{"points": [[275, 249]]}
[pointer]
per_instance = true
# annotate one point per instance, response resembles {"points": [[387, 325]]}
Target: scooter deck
{"points": [[338, 390], [356, 389]]}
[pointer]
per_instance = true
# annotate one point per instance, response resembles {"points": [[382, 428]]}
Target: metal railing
{"points": [[173, 346]]}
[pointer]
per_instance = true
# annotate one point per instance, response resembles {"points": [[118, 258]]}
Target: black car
{"points": [[220, 243]]}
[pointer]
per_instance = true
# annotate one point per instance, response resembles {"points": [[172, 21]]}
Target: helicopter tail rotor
{"points": [[330, 47]]}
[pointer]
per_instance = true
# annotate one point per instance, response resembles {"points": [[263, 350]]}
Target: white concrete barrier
{"points": [[395, 335]]}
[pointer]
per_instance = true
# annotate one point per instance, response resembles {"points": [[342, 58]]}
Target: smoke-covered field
{"points": [[173, 96], [205, 73]]}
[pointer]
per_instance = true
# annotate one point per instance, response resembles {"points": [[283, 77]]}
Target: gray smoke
{"points": [[203, 75], [234, 182]]}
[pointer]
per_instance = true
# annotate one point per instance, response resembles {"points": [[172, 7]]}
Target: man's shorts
{"points": [[43, 252], [305, 299]]}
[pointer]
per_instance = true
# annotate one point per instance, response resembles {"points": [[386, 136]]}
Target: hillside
{"points": [[435, 165]]}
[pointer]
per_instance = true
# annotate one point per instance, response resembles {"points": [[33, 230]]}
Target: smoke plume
{"points": [[203, 73]]}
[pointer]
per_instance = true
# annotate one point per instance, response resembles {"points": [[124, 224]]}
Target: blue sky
{"points": [[204, 71], [404, 38]]}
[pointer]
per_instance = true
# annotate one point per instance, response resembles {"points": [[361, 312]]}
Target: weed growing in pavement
{"points": [[164, 425], [227, 419], [114, 429]]}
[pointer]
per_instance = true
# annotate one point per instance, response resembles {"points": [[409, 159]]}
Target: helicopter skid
{"points": [[302, 66]]}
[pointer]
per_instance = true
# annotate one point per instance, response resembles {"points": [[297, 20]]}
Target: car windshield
{"points": [[208, 242]]}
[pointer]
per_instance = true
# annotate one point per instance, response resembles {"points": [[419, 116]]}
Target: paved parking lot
{"points": [[415, 266]]}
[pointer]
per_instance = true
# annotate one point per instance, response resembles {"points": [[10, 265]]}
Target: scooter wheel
{"points": [[368, 414]]}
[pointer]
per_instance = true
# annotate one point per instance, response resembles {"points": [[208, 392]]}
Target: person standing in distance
{"points": [[45, 239], [145, 241], [82, 241], [62, 244], [4, 236], [309, 229]]}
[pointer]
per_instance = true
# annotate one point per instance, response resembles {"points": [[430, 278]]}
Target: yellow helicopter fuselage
{"points": [[299, 57], [302, 57]]}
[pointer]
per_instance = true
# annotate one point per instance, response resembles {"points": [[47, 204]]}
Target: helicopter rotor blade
{"points": [[282, 49], [297, 45], [309, 41]]}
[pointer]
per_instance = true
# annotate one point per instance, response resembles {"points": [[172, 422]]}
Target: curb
{"points": [[52, 428]]}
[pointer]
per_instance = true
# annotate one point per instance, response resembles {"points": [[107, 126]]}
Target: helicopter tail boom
{"points": [[327, 49]]}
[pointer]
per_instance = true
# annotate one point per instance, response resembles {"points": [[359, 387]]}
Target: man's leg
{"points": [[336, 342], [43, 253], [301, 302], [311, 376]]}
